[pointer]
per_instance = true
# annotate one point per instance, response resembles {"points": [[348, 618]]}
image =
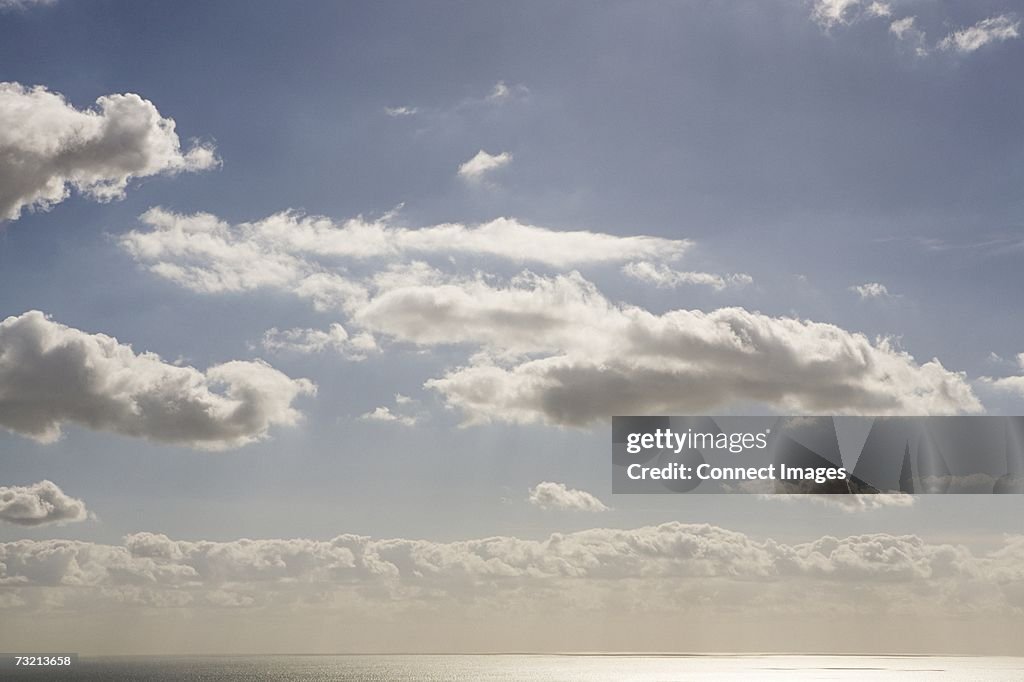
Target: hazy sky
{"points": [[364, 283]]}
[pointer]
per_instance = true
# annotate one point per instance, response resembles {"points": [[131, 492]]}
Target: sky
{"points": [[313, 317]]}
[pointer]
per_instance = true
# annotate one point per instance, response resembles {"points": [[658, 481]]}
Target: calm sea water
{"points": [[534, 668], [539, 668]]}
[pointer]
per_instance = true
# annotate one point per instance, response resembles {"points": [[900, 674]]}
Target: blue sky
{"points": [[804, 149]]}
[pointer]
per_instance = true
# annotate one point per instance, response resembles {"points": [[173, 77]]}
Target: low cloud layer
{"points": [[549, 495], [48, 148], [51, 374], [39, 504], [881, 572]]}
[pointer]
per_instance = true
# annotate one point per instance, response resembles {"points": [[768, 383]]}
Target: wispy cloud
{"points": [[847, 503], [908, 29], [398, 112], [992, 30], [335, 338], [872, 290], [665, 277]]}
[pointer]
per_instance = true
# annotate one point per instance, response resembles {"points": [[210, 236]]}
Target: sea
{"points": [[529, 668]]}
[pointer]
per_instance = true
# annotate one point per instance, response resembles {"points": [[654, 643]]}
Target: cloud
{"points": [[335, 338], [879, 9], [902, 27], [830, 13], [482, 164], [986, 31], [551, 348], [1013, 385], [39, 504], [397, 112], [23, 4], [871, 290], [384, 414], [548, 495], [292, 252], [590, 358], [880, 572], [502, 91], [51, 374], [48, 147], [848, 503], [664, 277]]}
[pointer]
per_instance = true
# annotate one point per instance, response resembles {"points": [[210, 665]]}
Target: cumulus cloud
{"points": [[482, 164], [39, 504], [991, 30], [335, 338], [51, 374], [665, 277], [297, 253], [549, 348], [667, 561], [871, 290], [586, 358], [384, 414], [548, 495], [48, 147]]}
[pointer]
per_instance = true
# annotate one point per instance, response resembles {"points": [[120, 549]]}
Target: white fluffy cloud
{"points": [[384, 414], [482, 164], [597, 358], [549, 495], [39, 504], [991, 30], [334, 338], [51, 374], [665, 277], [554, 349], [48, 147]]}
